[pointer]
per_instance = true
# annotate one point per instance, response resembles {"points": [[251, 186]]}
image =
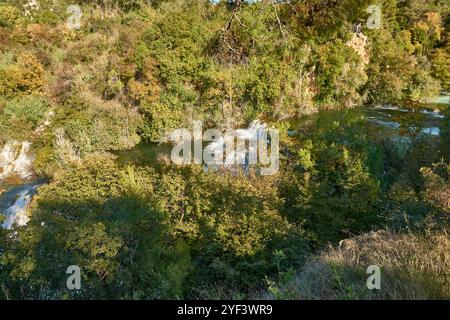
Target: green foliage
{"points": [[334, 191], [8, 15], [402, 51], [115, 4], [140, 228], [101, 128], [177, 44], [437, 191], [21, 115], [130, 230], [441, 66], [114, 235], [323, 20], [26, 75], [338, 79], [232, 224]]}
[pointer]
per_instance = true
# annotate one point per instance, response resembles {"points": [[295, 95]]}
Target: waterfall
{"points": [[239, 154], [17, 212], [15, 160]]}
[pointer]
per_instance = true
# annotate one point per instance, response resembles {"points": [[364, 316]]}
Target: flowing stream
{"points": [[16, 161], [18, 182], [15, 201]]}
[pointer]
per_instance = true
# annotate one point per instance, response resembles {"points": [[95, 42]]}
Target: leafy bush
{"points": [[114, 235], [22, 114], [334, 189], [338, 78], [24, 76], [441, 66], [102, 127], [437, 190], [8, 15], [232, 225]]}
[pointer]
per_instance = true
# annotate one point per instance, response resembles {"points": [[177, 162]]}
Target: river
{"points": [[18, 183]]}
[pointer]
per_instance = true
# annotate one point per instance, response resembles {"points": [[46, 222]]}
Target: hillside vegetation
{"points": [[136, 70]]}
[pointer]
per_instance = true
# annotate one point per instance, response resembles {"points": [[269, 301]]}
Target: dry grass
{"points": [[412, 267]]}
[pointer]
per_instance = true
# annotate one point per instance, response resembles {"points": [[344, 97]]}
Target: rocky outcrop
{"points": [[359, 43], [16, 160]]}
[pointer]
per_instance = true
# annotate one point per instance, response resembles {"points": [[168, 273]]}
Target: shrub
{"points": [[22, 114], [338, 75], [102, 127], [114, 235], [441, 66], [24, 76], [437, 189], [8, 15], [333, 190], [233, 226]]}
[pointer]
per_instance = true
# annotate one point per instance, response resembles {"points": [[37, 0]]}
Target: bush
{"points": [[441, 66], [114, 235], [338, 75], [102, 127], [8, 15], [22, 114], [233, 226], [437, 190], [24, 76], [333, 189]]}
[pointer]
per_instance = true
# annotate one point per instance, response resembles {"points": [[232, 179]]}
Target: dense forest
{"points": [[93, 105]]}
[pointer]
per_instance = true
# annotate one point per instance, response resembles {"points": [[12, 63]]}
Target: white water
{"points": [[431, 113], [239, 154], [17, 212], [390, 107], [16, 160], [444, 98], [434, 131], [435, 114]]}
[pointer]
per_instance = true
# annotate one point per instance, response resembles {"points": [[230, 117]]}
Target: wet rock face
{"points": [[17, 179], [16, 161]]}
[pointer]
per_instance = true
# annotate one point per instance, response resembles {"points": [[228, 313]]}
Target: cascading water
{"points": [[16, 162], [239, 153], [17, 212], [16, 174]]}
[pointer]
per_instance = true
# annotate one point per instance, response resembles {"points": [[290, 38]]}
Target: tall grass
{"points": [[412, 267]]}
